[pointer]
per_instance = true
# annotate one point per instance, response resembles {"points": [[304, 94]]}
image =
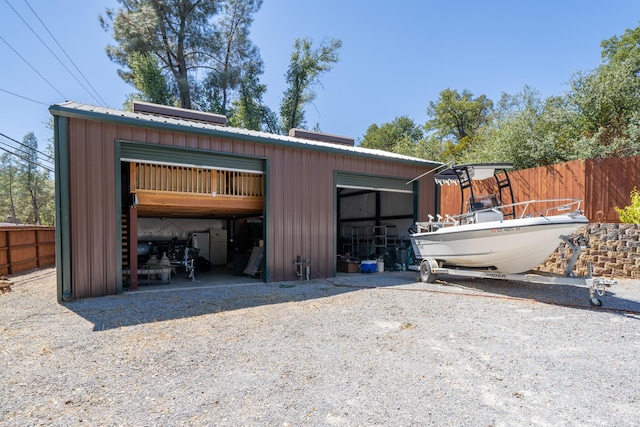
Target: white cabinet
{"points": [[218, 247]]}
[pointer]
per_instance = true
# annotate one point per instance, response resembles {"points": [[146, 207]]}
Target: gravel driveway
{"points": [[360, 350]]}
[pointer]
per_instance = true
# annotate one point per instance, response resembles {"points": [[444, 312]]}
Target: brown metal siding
{"points": [[300, 199], [93, 208]]}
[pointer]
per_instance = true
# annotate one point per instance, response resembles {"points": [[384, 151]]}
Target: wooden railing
{"points": [[195, 181]]}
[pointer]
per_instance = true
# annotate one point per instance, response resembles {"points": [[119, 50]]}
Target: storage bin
{"points": [[368, 266]]}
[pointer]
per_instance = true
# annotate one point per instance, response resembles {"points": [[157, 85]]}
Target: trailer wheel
{"points": [[595, 302], [426, 275]]}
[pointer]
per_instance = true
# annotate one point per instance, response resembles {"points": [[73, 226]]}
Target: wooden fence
{"points": [[26, 247], [602, 184]]}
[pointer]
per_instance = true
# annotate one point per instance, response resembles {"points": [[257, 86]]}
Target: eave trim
{"points": [[60, 110]]}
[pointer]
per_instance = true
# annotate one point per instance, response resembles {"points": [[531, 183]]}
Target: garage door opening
{"points": [[373, 218], [193, 224]]}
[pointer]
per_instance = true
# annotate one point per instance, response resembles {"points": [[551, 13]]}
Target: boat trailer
{"points": [[430, 268]]}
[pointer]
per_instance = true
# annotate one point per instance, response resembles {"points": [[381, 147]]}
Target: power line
{"points": [[65, 53], [49, 49], [23, 97], [32, 67], [48, 158], [47, 168], [24, 156]]}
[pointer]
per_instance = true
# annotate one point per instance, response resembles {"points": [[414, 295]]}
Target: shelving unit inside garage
{"points": [[364, 241]]}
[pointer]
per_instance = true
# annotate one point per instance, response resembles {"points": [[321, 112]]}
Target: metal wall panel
{"points": [[300, 199], [92, 210], [373, 182]]}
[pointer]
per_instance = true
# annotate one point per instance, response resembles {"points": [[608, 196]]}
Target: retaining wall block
{"points": [[613, 249], [598, 271], [629, 228]]}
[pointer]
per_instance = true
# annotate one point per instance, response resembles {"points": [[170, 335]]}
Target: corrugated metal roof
{"points": [[75, 109]]}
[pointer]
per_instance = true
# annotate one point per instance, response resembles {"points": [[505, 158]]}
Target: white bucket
{"points": [[380, 266]]}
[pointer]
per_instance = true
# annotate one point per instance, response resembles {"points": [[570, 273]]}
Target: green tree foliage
{"points": [[248, 111], [305, 68], [237, 61], [631, 214], [8, 197], [392, 136], [26, 190], [403, 136], [455, 120], [149, 80], [607, 106], [33, 180], [622, 49], [527, 131], [202, 59]]}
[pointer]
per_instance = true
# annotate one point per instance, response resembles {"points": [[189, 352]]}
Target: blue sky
{"points": [[396, 56]]}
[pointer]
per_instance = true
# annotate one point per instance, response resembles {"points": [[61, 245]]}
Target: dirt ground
{"points": [[379, 349]]}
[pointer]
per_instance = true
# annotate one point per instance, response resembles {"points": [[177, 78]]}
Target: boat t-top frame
{"points": [[464, 175]]}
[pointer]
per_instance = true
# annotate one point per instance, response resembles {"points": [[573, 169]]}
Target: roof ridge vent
{"points": [[322, 137], [179, 113]]}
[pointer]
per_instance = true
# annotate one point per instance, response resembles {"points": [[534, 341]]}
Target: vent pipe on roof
{"points": [[322, 137], [179, 113]]}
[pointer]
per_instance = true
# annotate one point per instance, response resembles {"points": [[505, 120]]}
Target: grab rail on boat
{"points": [[559, 206]]}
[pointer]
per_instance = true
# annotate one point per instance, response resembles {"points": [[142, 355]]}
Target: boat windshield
{"points": [[482, 201]]}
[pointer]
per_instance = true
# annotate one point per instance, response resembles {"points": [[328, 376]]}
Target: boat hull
{"points": [[510, 247]]}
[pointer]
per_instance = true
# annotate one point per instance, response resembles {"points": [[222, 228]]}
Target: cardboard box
{"points": [[348, 267]]}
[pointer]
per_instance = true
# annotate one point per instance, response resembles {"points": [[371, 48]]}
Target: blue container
{"points": [[368, 266]]}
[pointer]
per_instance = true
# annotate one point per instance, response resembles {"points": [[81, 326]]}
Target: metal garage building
{"points": [[161, 170]]}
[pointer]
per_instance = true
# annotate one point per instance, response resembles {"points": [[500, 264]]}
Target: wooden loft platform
{"points": [[174, 205], [182, 191]]}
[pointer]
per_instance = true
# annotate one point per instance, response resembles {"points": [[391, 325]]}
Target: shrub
{"points": [[631, 213]]}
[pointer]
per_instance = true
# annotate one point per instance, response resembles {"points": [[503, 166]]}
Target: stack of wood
{"points": [[5, 285]]}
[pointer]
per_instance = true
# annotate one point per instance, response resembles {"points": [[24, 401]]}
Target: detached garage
{"points": [[179, 184]]}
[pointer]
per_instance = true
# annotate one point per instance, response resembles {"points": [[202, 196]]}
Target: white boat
{"points": [[489, 235]]}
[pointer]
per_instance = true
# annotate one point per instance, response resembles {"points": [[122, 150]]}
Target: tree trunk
{"points": [[13, 206], [34, 205]]}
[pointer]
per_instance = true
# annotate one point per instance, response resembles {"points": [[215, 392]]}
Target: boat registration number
{"points": [[505, 229]]}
